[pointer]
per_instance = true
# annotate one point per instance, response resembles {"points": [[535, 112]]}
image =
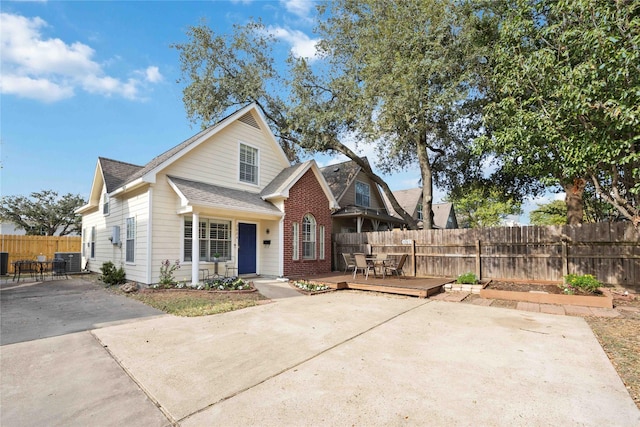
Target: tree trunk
{"points": [[427, 184], [575, 204]]}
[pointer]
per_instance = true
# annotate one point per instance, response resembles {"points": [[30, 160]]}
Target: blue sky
{"points": [[86, 79]]}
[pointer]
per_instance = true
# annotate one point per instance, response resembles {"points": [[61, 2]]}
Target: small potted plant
{"points": [[216, 257]]}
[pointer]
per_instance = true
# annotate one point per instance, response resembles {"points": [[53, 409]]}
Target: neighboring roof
{"points": [[441, 213], [358, 211], [340, 176], [116, 173], [407, 199], [202, 194]]}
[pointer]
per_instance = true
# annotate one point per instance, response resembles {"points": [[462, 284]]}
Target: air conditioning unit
{"points": [[74, 261]]}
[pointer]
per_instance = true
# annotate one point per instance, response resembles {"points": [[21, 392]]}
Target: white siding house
{"points": [[209, 186]]}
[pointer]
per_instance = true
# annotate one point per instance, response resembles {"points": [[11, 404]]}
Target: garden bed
{"points": [[543, 294]]}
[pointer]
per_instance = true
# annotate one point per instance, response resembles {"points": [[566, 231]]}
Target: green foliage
{"points": [[467, 278], [553, 213], [112, 275], [483, 206], [585, 282], [166, 272], [44, 213], [565, 95]]}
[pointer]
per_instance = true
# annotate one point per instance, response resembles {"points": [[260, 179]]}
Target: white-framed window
{"points": [[309, 237], [248, 164], [105, 204], [131, 240], [321, 242], [214, 238], [420, 211], [93, 241], [363, 192], [296, 239]]}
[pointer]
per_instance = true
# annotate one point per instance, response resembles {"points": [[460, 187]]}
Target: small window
{"points": [[296, 238], [131, 240], [363, 194], [309, 237], [93, 241], [248, 164], [420, 211], [105, 204], [321, 229], [188, 240]]}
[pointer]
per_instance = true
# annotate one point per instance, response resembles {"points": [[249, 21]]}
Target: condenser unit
{"points": [[73, 259]]}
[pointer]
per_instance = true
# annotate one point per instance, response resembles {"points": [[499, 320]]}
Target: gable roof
{"points": [[279, 187], [116, 173], [441, 213], [119, 177], [193, 193], [340, 176], [407, 199]]}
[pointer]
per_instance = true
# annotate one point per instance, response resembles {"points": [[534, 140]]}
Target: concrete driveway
{"points": [[341, 358], [34, 310]]}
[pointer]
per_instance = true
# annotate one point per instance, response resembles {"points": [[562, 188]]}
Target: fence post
{"points": [[478, 264], [413, 256], [565, 259]]}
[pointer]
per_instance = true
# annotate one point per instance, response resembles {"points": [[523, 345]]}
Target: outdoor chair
{"points": [[59, 268], [230, 267], [362, 264], [397, 269], [349, 262]]}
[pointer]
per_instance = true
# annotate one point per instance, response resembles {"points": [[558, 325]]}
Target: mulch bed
{"points": [[528, 287]]}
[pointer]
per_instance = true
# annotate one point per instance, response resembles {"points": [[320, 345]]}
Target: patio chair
{"points": [[59, 268], [397, 269], [362, 264], [349, 262], [230, 267]]}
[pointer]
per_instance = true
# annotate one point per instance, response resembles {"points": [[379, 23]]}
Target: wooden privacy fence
{"points": [[29, 247], [608, 251]]}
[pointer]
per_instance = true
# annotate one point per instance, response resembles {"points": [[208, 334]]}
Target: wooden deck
{"points": [[421, 287]]}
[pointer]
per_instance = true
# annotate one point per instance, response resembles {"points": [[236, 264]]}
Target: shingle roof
{"points": [[116, 173], [441, 212], [282, 180], [407, 199], [200, 193], [340, 176]]}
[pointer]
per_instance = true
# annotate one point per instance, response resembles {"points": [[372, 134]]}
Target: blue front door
{"points": [[246, 248]]}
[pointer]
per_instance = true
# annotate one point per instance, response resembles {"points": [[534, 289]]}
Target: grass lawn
{"points": [[197, 303]]}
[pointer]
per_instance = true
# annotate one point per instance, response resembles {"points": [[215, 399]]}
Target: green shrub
{"points": [[112, 275], [585, 282], [467, 279]]}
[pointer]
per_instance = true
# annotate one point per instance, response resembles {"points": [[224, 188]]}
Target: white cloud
{"points": [[49, 70], [302, 46], [299, 8], [153, 74]]}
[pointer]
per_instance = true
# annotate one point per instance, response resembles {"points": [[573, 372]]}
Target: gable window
{"points": [[296, 238], [105, 204], [131, 240], [248, 164], [214, 238], [419, 211], [363, 194], [309, 237]]}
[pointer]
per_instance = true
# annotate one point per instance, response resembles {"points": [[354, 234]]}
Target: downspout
{"points": [[149, 235]]}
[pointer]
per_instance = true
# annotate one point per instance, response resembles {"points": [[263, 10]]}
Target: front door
{"points": [[246, 248]]}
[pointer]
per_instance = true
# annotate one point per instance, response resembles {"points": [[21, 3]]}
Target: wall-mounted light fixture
{"points": [[267, 231]]}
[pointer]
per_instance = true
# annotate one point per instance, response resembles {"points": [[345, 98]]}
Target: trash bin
{"points": [[4, 263]]}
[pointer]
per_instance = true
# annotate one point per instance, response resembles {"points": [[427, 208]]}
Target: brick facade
{"points": [[306, 197]]}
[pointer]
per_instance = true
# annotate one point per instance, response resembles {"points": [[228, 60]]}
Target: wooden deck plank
{"points": [[421, 287]]}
